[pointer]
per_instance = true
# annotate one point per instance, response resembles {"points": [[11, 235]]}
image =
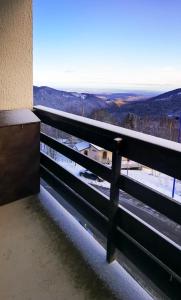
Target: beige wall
{"points": [[98, 155], [15, 54]]}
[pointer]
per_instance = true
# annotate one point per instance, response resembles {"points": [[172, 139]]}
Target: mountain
{"points": [[115, 105], [122, 98], [155, 115], [165, 104], [82, 103], [76, 103], [171, 94]]}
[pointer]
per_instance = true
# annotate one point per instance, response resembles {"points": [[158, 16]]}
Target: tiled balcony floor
{"points": [[38, 262]]}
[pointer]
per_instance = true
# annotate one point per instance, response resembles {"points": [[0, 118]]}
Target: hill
{"points": [[166, 104], [76, 103], [116, 106]]}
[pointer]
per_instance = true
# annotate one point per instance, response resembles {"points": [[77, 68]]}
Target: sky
{"points": [[107, 44]]}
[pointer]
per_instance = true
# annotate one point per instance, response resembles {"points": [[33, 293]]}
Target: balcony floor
{"points": [[38, 262]]}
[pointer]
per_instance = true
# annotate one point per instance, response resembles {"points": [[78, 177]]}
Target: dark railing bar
{"points": [[94, 197], [125, 231], [78, 203], [88, 163], [93, 217], [148, 264], [156, 153], [114, 199], [107, 128], [122, 241], [125, 220], [154, 199], [165, 250], [170, 272], [168, 252], [77, 130]]}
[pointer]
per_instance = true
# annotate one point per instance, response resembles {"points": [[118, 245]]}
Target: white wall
{"points": [[16, 54]]}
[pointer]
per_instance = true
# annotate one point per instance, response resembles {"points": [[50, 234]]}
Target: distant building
{"points": [[95, 152], [82, 147], [103, 156]]}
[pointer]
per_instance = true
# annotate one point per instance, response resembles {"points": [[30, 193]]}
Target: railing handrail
{"points": [[159, 154], [123, 229], [119, 131], [158, 201]]}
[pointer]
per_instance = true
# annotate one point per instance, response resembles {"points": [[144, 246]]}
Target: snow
{"points": [[64, 141], [113, 275], [157, 181], [76, 94], [97, 147], [82, 146], [83, 96]]}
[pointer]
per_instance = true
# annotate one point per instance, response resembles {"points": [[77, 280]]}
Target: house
{"points": [[82, 147], [100, 154], [103, 156], [93, 151]]}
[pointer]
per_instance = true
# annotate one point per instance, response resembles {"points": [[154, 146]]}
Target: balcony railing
{"points": [[142, 244]]}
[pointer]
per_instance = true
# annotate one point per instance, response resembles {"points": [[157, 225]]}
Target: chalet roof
{"points": [[82, 146], [97, 147]]}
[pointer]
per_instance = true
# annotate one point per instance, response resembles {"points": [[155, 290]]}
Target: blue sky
{"points": [[107, 44]]}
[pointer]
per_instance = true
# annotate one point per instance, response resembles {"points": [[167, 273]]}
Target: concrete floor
{"points": [[38, 262]]}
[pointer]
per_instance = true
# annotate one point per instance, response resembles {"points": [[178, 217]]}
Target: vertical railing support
{"points": [[114, 198]]}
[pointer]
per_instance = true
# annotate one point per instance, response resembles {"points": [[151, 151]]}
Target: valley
{"points": [[157, 115]]}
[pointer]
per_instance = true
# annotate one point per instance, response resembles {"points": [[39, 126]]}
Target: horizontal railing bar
{"points": [[88, 163], [147, 264], [129, 248], [163, 248], [78, 130], [78, 203], [154, 199], [159, 154], [156, 153], [94, 197], [160, 246]]}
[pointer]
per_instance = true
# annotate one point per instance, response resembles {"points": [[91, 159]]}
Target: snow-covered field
{"points": [[151, 178]]}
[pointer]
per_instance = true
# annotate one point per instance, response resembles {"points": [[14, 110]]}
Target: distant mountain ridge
{"points": [[77, 103], [173, 93], [162, 105], [157, 116], [117, 105]]}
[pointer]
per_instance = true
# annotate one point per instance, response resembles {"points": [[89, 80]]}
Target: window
{"points": [[104, 155]]}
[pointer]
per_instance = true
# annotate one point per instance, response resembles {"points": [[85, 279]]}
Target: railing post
{"points": [[114, 198]]}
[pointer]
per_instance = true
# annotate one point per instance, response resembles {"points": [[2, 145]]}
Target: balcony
{"points": [[72, 240], [129, 253]]}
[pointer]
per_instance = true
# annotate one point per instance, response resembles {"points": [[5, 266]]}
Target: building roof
{"points": [[97, 147], [82, 146]]}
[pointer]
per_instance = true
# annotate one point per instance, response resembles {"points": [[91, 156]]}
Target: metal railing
{"points": [[137, 240]]}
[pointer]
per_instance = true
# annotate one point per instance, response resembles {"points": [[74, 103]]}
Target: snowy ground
{"points": [[120, 282], [151, 178]]}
